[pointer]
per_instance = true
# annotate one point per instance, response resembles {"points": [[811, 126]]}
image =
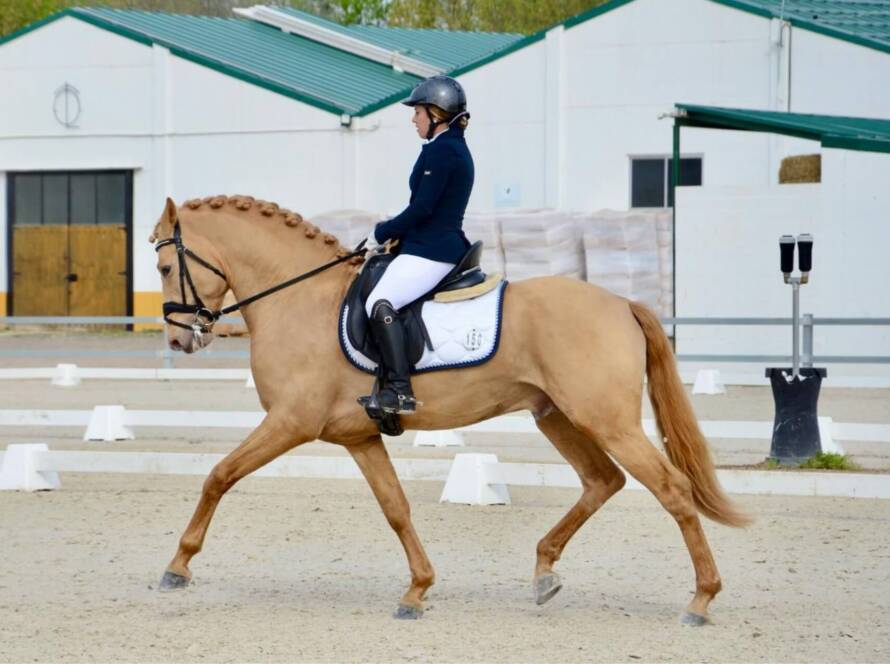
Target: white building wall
{"points": [[835, 77], [505, 136], [728, 258], [628, 66]]}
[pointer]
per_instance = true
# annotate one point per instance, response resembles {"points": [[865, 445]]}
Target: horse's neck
{"points": [[260, 255]]}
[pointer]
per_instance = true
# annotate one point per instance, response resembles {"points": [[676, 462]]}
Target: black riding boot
{"points": [[394, 395]]}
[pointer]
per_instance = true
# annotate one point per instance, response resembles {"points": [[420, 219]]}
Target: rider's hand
{"points": [[372, 245]]}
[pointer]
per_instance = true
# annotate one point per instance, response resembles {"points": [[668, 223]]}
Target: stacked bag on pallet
{"points": [[629, 253], [485, 226], [541, 242], [349, 226]]}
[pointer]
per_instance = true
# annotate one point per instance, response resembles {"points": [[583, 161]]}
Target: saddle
{"points": [[466, 274]]}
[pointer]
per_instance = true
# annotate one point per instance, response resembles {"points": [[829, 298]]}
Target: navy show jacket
{"points": [[441, 182]]}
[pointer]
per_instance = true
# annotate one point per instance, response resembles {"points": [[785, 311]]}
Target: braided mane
{"points": [[271, 210]]}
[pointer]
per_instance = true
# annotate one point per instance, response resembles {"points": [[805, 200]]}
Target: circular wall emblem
{"points": [[66, 106]]}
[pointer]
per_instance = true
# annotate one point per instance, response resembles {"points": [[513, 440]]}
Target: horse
{"points": [[571, 353]]}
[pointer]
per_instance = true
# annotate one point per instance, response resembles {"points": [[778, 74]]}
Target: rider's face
{"points": [[421, 120]]}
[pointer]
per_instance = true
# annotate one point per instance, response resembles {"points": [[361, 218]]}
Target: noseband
{"points": [[206, 317]]}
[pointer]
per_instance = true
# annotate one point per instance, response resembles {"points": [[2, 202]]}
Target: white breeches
{"points": [[406, 279]]}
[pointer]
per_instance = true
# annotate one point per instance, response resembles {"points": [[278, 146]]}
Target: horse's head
{"points": [[192, 281]]}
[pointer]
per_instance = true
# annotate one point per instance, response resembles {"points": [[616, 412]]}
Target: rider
{"points": [[431, 241]]}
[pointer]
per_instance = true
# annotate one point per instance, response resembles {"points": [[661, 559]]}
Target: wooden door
{"points": [[98, 265], [40, 267]]}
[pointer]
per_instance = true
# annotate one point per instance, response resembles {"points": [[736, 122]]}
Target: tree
{"points": [[523, 16]]}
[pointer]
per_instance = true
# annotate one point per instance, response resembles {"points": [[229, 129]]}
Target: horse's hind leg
{"points": [[672, 488], [375, 465], [600, 479], [268, 441]]}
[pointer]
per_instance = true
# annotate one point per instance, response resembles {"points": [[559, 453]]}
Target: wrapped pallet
{"points": [[484, 225], [623, 254], [541, 243], [349, 226]]}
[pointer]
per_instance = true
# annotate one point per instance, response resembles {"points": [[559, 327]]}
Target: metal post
{"points": [[675, 180], [808, 340], [795, 324]]}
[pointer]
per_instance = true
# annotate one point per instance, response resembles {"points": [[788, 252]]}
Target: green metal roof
{"points": [[863, 22], [447, 49], [320, 75], [832, 131]]}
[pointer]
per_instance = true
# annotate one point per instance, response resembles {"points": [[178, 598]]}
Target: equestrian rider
{"points": [[431, 241]]}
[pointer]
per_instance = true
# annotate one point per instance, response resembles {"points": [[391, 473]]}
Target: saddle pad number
{"points": [[474, 340]]}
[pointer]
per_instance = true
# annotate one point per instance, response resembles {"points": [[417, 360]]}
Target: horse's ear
{"points": [[165, 225]]}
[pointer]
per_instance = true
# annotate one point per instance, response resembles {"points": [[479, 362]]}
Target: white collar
{"points": [[437, 136]]}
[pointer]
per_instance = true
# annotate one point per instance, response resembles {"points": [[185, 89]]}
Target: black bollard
{"points": [[796, 427]]}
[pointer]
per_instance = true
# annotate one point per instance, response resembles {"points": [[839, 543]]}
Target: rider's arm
{"points": [[432, 183]]}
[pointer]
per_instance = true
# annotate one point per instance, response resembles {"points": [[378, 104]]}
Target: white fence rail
{"points": [[108, 423], [469, 478]]}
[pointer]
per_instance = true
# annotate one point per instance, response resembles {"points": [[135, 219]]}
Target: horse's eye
{"points": [[165, 270]]}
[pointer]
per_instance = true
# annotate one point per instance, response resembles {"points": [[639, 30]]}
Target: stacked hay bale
{"points": [[801, 169], [539, 243], [349, 226], [629, 254]]}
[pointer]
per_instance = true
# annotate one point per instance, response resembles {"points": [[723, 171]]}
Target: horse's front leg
{"points": [[272, 438], [375, 465]]}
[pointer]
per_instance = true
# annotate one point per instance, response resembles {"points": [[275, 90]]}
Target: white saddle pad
{"points": [[463, 334]]}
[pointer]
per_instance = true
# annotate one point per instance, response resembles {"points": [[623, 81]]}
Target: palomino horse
{"points": [[573, 354]]}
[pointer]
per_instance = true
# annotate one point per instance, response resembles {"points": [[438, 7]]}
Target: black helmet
{"points": [[441, 91]]}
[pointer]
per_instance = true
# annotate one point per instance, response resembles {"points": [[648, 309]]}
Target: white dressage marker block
{"points": [[66, 375], [438, 439], [829, 444], [17, 472], [107, 423], [467, 483], [707, 381]]}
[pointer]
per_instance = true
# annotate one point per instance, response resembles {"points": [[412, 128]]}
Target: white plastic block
{"points": [[829, 444], [107, 423], [66, 375], [468, 485], [438, 439], [17, 472], [707, 381], [250, 381]]}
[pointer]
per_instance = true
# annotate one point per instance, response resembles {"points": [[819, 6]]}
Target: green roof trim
{"points": [[862, 22], [832, 131]]}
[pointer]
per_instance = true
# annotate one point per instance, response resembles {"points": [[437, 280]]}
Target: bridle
{"points": [[204, 316]]}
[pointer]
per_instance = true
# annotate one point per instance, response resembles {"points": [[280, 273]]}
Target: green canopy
{"points": [[864, 134]]}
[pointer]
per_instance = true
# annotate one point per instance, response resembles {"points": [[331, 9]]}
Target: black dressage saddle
{"points": [[465, 274]]}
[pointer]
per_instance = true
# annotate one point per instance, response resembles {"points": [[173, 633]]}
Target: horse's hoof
{"points": [[172, 581], [693, 619], [405, 612], [546, 586]]}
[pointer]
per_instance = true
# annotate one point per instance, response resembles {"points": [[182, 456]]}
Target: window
{"points": [[650, 180], [70, 198]]}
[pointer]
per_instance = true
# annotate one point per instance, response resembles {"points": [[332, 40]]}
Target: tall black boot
{"points": [[395, 394]]}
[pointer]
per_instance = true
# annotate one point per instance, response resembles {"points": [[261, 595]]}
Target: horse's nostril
{"points": [[175, 345]]}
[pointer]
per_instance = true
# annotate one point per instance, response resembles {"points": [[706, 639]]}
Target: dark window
{"points": [[55, 199], [70, 198], [647, 183], [651, 178], [83, 199], [112, 199], [28, 201], [690, 175]]}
